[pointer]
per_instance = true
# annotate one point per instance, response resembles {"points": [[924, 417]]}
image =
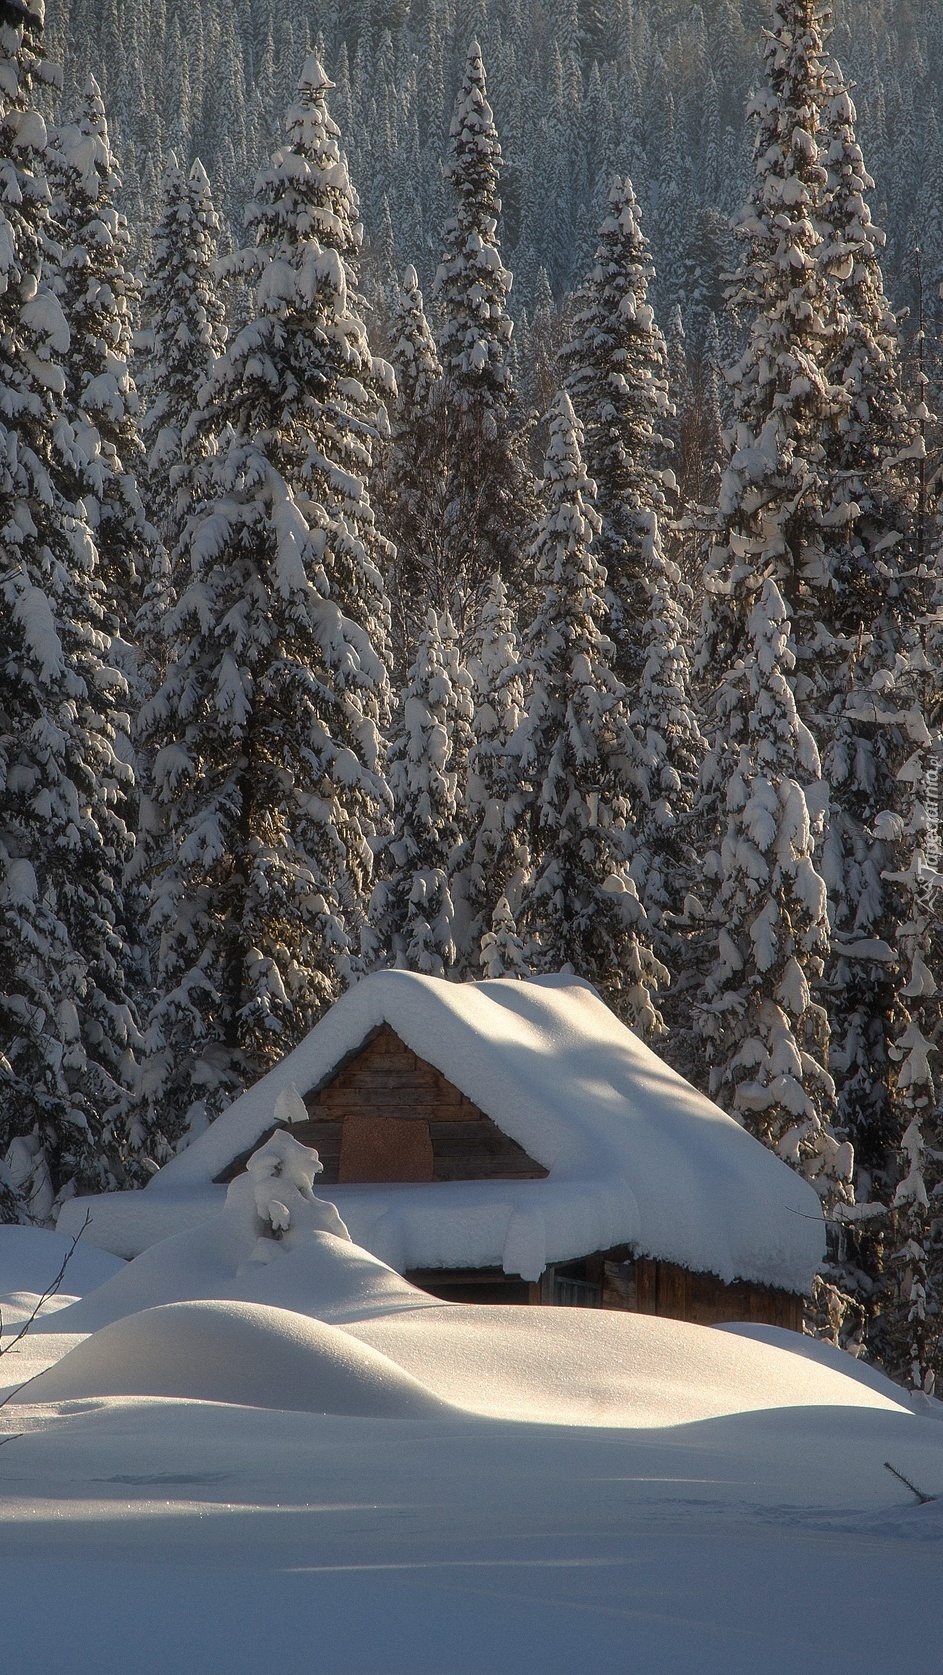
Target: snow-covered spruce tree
{"points": [[472, 284], [678, 358], [539, 376], [578, 758], [770, 1035], [99, 294], [492, 850], [769, 518], [700, 452], [904, 1263], [908, 1335], [817, 492], [66, 1023], [486, 496], [408, 487], [182, 334], [870, 466], [617, 376], [267, 778], [413, 909]]}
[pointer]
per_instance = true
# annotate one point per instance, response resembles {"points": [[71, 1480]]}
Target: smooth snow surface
{"points": [[605, 1491], [582, 1367], [635, 1154]]}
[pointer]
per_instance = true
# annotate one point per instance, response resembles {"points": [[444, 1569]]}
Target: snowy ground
{"points": [[522, 1492]]}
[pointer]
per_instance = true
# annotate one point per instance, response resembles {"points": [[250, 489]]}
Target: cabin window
{"points": [[578, 1285]]}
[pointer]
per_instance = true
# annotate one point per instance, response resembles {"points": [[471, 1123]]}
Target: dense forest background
{"points": [[591, 625], [581, 90]]}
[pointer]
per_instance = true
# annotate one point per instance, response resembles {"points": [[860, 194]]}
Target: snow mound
{"points": [[245, 1354], [30, 1259], [595, 1367]]}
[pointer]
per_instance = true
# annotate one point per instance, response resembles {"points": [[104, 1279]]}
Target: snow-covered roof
{"points": [[635, 1154]]}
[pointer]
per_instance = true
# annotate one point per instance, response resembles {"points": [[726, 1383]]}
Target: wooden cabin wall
{"points": [[674, 1293], [616, 1280], [385, 1115]]}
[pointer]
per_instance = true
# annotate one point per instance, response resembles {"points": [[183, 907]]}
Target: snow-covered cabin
{"points": [[510, 1141]]}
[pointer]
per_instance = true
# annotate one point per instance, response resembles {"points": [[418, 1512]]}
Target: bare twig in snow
{"points": [[922, 1498], [50, 1291]]}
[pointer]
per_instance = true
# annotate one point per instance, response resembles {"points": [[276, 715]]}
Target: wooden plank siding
{"points": [[642, 1285], [614, 1279], [676, 1293]]}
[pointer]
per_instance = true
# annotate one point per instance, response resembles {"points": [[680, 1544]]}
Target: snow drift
{"points": [[243, 1353], [279, 1256]]}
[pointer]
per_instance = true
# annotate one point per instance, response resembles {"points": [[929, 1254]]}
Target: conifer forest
{"points": [[470, 501]]}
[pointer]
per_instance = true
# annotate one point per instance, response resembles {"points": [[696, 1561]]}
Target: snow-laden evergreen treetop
{"points": [[482, 485], [773, 499], [99, 294], [183, 333], [617, 377], [472, 283], [266, 736]]}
